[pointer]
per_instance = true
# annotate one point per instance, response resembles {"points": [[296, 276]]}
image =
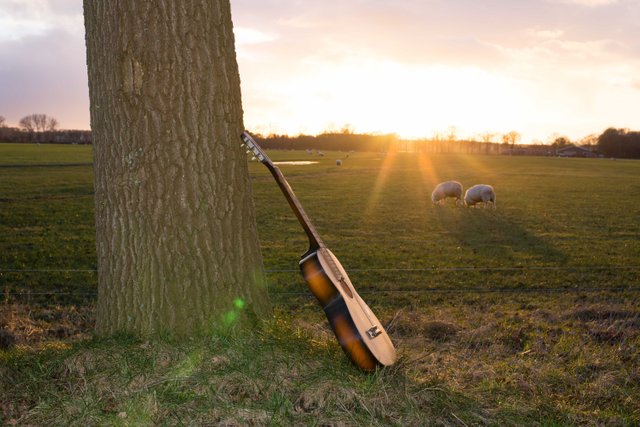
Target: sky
{"points": [[417, 68]]}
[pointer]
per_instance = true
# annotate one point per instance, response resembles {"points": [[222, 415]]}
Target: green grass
{"points": [[46, 218], [552, 213], [562, 347], [44, 154]]}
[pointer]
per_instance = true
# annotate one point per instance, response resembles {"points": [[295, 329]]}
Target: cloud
{"points": [[403, 30], [545, 34], [43, 61], [588, 3], [569, 48], [45, 74], [19, 19], [16, 23], [244, 36], [427, 32]]}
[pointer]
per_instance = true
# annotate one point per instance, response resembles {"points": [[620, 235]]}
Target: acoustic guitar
{"points": [[357, 329]]}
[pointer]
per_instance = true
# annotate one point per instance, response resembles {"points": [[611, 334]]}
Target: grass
{"points": [[545, 331], [44, 154], [513, 366], [219, 380], [375, 213]]}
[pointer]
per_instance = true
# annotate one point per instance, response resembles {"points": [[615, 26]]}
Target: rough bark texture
{"points": [[176, 237]]}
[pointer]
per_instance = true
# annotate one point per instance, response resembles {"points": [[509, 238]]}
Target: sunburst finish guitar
{"points": [[357, 329]]}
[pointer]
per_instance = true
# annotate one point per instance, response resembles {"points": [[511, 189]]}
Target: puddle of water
{"points": [[296, 163]]}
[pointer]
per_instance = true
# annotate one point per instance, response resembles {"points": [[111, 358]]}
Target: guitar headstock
{"points": [[252, 145]]}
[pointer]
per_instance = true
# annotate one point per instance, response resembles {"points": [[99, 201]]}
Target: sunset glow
{"points": [[390, 97], [416, 69]]}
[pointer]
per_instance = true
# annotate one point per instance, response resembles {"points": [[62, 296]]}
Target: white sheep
{"points": [[480, 193], [447, 189]]}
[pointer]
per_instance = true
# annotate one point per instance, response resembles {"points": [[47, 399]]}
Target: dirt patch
{"points": [[30, 325], [440, 331], [7, 339]]}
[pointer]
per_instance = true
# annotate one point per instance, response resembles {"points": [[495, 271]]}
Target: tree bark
{"points": [[177, 243]]}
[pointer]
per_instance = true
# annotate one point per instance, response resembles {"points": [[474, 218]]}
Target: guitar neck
{"points": [[315, 241]]}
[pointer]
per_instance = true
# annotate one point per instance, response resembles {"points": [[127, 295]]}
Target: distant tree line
{"points": [[347, 141], [613, 142], [621, 143], [11, 134], [344, 141], [40, 128]]}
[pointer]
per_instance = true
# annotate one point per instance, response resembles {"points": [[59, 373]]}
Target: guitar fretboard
{"points": [[315, 241]]}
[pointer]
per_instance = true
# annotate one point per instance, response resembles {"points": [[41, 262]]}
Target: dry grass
{"points": [[488, 361], [31, 326]]}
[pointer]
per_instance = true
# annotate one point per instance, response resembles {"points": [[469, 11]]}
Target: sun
{"points": [[382, 96]]}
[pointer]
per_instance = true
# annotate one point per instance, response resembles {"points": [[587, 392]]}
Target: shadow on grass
{"points": [[490, 235]]}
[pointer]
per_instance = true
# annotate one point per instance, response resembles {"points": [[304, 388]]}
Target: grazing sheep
{"points": [[480, 193], [447, 189], [338, 162]]}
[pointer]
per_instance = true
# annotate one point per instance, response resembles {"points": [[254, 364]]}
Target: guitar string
{"points": [[355, 296]]}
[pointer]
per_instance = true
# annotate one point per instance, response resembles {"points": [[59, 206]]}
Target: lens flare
{"points": [[231, 317]]}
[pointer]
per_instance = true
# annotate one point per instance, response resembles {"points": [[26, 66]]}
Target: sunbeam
{"points": [[381, 180], [477, 166], [428, 174], [428, 171]]}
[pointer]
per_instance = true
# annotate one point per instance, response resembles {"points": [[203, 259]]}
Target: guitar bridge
{"points": [[373, 332]]}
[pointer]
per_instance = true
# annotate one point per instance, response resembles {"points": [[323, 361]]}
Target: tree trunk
{"points": [[177, 244]]}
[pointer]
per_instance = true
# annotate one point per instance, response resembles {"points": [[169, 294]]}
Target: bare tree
{"points": [[52, 124], [487, 137], [38, 123], [177, 243], [511, 138], [27, 123], [452, 133], [2, 122]]}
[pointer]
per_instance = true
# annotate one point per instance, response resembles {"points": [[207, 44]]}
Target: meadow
{"points": [[527, 314]]}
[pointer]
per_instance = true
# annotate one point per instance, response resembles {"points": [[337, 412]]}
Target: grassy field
{"points": [[528, 314]]}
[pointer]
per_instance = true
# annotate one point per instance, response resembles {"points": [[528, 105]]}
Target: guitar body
{"points": [[357, 329]]}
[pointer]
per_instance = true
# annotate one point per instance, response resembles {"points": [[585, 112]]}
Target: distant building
{"points": [[528, 150], [574, 151]]}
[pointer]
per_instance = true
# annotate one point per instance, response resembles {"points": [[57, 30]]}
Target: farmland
{"points": [[524, 314]]}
